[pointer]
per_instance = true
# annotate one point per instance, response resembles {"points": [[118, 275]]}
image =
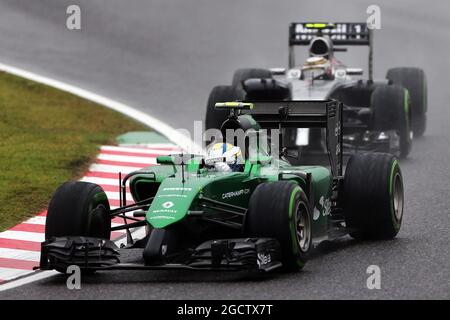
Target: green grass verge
{"points": [[46, 137]]}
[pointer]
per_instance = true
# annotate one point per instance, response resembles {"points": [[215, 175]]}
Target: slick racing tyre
{"points": [[240, 75], [390, 111], [215, 118], [280, 210], [373, 196], [78, 209], [415, 81]]}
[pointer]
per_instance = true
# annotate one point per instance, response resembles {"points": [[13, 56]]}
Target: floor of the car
{"points": [[131, 256]]}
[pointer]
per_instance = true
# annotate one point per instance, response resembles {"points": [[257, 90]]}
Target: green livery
{"points": [[261, 213], [173, 200]]}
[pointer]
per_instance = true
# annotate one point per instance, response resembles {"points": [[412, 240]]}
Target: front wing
{"points": [[224, 254]]}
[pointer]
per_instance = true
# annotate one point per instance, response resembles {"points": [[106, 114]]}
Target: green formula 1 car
{"points": [[263, 215]]}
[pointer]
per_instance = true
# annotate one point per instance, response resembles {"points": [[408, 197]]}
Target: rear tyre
{"points": [[373, 196], [240, 75], [280, 210], [215, 118], [390, 111], [415, 81], [78, 209]]}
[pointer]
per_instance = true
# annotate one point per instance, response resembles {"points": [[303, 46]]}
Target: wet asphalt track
{"points": [[164, 56]]}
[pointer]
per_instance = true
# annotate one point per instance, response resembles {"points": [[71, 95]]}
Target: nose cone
{"points": [[172, 201]]}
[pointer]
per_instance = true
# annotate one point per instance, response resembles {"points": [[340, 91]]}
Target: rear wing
{"points": [[341, 33], [304, 114]]}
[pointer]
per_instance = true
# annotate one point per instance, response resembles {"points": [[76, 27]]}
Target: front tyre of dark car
{"points": [[390, 111], [415, 81], [214, 118], [78, 209], [240, 75]]}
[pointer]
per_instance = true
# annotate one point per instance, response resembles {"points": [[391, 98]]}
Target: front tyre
{"points": [[415, 81], [78, 209], [215, 118], [280, 210], [390, 111], [373, 196], [240, 75]]}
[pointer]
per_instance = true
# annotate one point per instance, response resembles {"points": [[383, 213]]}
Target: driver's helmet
{"points": [[232, 156], [315, 67]]}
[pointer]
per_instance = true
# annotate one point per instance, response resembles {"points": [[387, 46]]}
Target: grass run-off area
{"points": [[46, 137]]}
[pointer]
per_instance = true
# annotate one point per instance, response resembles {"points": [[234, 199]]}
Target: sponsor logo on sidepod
{"points": [[235, 193]]}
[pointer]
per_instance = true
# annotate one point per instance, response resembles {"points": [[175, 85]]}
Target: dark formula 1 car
{"points": [[265, 215], [379, 115]]}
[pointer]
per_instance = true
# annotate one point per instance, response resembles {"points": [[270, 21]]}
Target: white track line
{"points": [[36, 220], [157, 146], [116, 195], [111, 168], [33, 276], [103, 181], [138, 150], [9, 273], [41, 220], [19, 254], [22, 235], [173, 135], [121, 158]]}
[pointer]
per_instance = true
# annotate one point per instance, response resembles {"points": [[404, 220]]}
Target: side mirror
{"points": [[355, 71], [164, 160], [277, 71]]}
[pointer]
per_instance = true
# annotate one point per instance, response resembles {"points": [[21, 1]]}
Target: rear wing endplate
{"points": [[304, 114]]}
